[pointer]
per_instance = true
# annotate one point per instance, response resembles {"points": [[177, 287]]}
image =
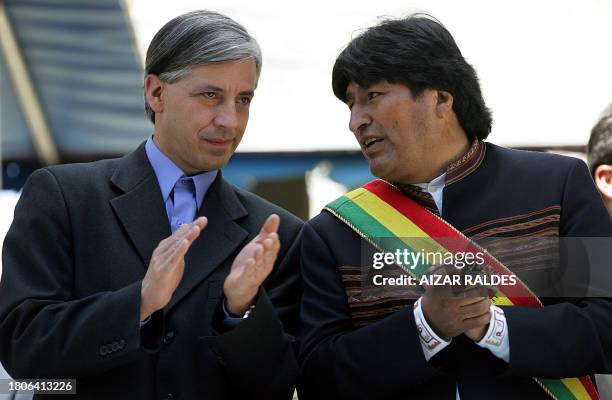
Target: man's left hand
{"points": [[251, 266], [477, 334]]}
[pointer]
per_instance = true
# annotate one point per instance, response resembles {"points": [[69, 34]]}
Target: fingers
{"points": [[193, 229], [252, 265], [464, 302], [263, 258], [440, 292], [192, 233], [477, 321], [271, 225], [169, 245], [474, 291], [169, 242], [258, 252], [179, 251], [271, 246], [275, 239], [448, 293], [201, 222], [476, 309], [270, 241], [268, 245], [189, 232], [167, 266]]}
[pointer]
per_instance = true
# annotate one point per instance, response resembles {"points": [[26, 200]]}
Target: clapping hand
{"points": [[251, 267]]}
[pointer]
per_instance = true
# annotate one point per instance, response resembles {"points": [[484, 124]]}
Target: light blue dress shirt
{"points": [[168, 173]]}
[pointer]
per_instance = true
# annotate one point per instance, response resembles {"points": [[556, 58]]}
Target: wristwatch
{"points": [[248, 312]]}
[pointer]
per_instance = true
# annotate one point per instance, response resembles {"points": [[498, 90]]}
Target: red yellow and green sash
{"points": [[389, 220]]}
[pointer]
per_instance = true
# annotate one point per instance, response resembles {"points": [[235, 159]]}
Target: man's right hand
{"points": [[451, 316], [166, 268]]}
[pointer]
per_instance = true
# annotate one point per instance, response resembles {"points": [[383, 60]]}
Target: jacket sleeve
{"points": [[570, 336], [44, 331], [259, 353], [339, 361]]}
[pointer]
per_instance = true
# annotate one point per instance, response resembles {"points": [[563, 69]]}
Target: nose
{"points": [[359, 119], [227, 116]]}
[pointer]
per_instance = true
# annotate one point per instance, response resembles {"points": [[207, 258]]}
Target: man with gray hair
{"points": [[150, 276]]}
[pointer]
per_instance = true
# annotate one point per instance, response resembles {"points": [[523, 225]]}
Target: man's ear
{"points": [[444, 102], [603, 180], [153, 91]]}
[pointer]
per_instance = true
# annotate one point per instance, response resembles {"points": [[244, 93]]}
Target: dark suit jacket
{"points": [[73, 262], [512, 192]]}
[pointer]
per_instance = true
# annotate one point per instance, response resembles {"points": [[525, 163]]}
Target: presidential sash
{"points": [[391, 221]]}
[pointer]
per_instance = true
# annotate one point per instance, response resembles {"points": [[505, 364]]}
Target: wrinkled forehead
{"points": [[240, 74]]}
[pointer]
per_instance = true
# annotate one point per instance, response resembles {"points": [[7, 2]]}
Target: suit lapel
{"points": [[142, 213], [221, 237], [140, 208]]}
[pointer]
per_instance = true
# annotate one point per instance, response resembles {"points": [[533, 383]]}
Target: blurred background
{"points": [[71, 83]]}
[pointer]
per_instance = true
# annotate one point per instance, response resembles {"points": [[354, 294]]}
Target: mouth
{"points": [[371, 141], [220, 142]]}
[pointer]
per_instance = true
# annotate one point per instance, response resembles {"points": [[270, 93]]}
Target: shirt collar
{"points": [[467, 163], [167, 173], [459, 169], [435, 184]]}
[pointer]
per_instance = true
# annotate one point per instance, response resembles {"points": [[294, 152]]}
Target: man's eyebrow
{"points": [[213, 88], [208, 88]]}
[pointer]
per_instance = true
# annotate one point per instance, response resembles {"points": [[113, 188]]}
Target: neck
{"points": [[164, 148], [451, 152]]}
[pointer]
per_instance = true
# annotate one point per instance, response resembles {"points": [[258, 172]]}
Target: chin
{"points": [[379, 172], [382, 176], [216, 164]]}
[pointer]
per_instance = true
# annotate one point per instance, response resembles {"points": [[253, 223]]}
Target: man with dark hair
{"points": [[417, 111], [599, 156], [599, 160], [150, 276]]}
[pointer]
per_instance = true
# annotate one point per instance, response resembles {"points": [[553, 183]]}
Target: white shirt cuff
{"points": [[431, 343], [497, 340]]}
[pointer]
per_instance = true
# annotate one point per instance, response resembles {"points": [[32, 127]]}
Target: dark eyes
{"points": [[245, 100], [370, 95]]}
